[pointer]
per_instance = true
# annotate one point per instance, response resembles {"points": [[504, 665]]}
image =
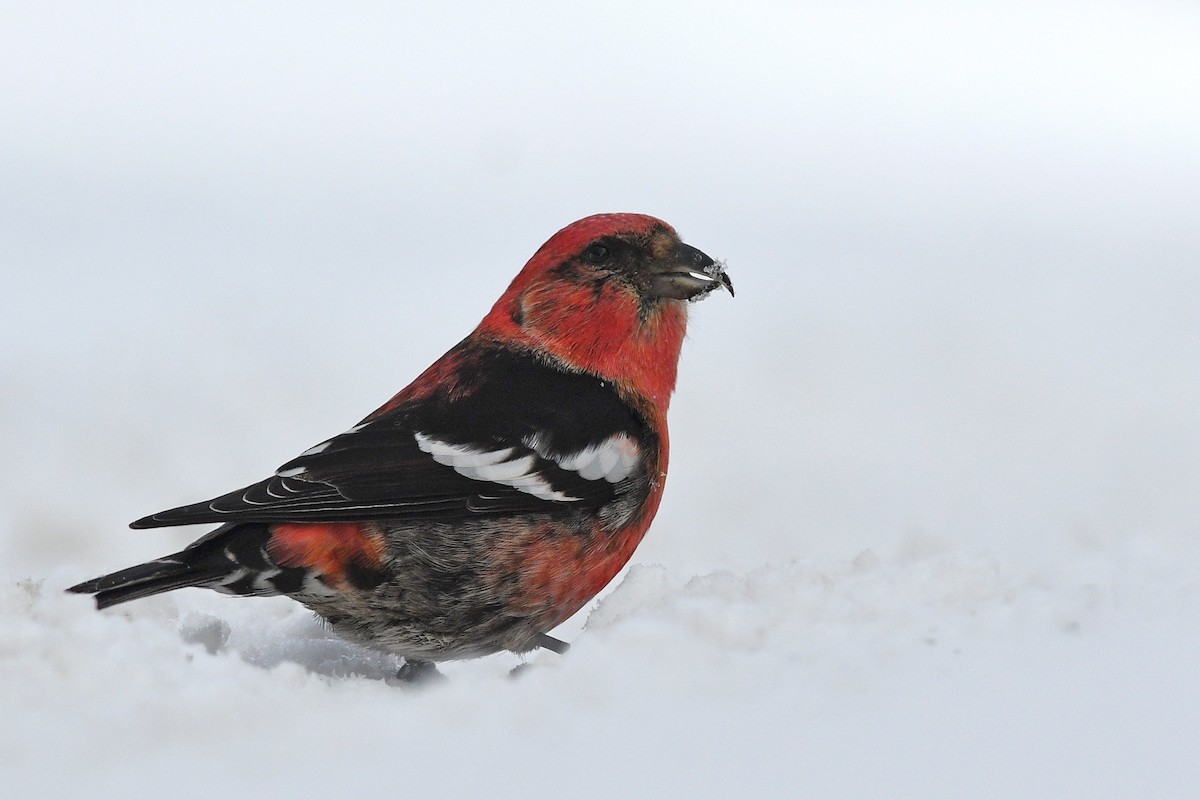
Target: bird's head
{"points": [[608, 295], [636, 254]]}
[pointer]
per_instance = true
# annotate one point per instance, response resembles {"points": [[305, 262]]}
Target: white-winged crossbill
{"points": [[488, 501]]}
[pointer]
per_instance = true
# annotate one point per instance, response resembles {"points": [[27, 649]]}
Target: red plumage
{"points": [[495, 495]]}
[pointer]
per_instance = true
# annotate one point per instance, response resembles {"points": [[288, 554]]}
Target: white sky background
{"points": [[964, 238]]}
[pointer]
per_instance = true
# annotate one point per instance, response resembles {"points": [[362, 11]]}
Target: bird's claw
{"points": [[419, 673]]}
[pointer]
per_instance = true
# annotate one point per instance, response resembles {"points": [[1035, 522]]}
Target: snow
{"points": [[938, 676], [931, 528]]}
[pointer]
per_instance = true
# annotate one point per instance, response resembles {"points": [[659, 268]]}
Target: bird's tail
{"points": [[231, 558]]}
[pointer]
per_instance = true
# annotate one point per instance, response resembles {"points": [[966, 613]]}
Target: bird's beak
{"points": [[685, 273]]}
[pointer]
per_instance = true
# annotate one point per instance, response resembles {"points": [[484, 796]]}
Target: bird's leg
{"points": [[417, 673], [541, 640], [550, 643]]}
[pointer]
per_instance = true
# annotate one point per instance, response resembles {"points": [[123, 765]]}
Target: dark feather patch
{"points": [[227, 551]]}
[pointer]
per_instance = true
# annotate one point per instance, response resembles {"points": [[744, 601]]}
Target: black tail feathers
{"points": [[144, 580], [223, 556]]}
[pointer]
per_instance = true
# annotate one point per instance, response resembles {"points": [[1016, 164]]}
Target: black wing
{"points": [[528, 436]]}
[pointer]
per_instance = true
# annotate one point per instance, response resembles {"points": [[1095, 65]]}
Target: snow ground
{"points": [[933, 521], [932, 675]]}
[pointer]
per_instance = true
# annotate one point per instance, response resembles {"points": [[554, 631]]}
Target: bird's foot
{"points": [[419, 673], [542, 640]]}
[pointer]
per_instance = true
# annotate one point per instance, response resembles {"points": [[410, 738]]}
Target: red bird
{"points": [[487, 502]]}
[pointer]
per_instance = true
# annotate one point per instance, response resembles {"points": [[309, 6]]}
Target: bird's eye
{"points": [[596, 253]]}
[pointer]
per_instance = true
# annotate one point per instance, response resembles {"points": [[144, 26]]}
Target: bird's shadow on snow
{"points": [[301, 639]]}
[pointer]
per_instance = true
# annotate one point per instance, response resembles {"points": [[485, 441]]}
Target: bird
{"points": [[494, 496]]}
